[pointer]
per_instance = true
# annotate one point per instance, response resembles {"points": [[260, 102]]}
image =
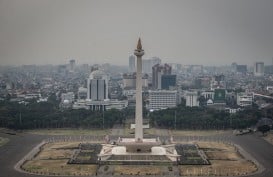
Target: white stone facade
{"points": [[192, 99]]}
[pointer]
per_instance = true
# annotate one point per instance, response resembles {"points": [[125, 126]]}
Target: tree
{"points": [[264, 129]]}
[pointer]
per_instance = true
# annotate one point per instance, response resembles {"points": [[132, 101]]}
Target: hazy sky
{"points": [[208, 32]]}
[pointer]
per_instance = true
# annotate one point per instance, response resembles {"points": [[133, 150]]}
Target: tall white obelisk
{"points": [[139, 52]]}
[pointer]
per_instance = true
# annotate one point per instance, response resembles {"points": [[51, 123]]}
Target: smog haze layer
{"points": [[208, 32]]}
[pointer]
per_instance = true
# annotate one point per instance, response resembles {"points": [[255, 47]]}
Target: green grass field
{"points": [[68, 132], [196, 132]]}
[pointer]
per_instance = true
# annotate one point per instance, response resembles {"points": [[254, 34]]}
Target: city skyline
{"points": [[186, 32]]}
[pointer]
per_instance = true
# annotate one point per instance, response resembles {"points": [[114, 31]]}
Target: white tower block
{"points": [[139, 119]]}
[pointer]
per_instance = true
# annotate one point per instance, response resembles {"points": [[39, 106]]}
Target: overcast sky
{"points": [[208, 32]]}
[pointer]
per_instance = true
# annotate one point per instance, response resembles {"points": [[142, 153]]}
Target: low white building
{"points": [[80, 104], [162, 99], [232, 110], [244, 99], [100, 105], [129, 93], [192, 99], [67, 100], [117, 104], [208, 94], [269, 89], [69, 96]]}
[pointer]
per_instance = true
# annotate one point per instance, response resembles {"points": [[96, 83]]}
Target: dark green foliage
{"points": [[204, 118], [264, 128], [47, 115]]}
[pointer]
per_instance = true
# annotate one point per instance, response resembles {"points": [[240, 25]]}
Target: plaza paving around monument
{"points": [[54, 157], [21, 143], [224, 159]]}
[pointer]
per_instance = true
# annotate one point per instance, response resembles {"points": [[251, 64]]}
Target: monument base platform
{"points": [[148, 152], [138, 146]]}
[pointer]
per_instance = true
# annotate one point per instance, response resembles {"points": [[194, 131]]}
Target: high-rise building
{"points": [[129, 81], [241, 69], [72, 65], [132, 63], [149, 63], [234, 67], [167, 81], [158, 71], [259, 69], [97, 86], [196, 69], [96, 94]]}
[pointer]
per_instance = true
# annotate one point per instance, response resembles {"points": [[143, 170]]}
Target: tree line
{"points": [[48, 115], [204, 118]]}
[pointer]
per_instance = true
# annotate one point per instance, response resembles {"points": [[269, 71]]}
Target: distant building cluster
{"points": [[164, 85]]}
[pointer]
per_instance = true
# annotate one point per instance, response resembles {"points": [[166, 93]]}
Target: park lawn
{"points": [[62, 145], [55, 154], [196, 132], [3, 141], [216, 146], [223, 155], [57, 151], [92, 132], [225, 161], [58, 167], [53, 158], [137, 170], [219, 168]]}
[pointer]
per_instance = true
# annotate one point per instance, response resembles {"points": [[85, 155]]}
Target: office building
{"points": [[147, 64], [129, 81], [259, 69], [97, 86], [244, 99], [241, 69], [168, 81], [162, 99], [132, 63], [158, 71], [72, 65]]}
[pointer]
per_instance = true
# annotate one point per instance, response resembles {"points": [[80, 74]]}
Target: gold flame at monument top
{"points": [[139, 46]]}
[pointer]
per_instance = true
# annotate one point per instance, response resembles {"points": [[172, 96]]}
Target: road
{"points": [[17, 147], [21, 143]]}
